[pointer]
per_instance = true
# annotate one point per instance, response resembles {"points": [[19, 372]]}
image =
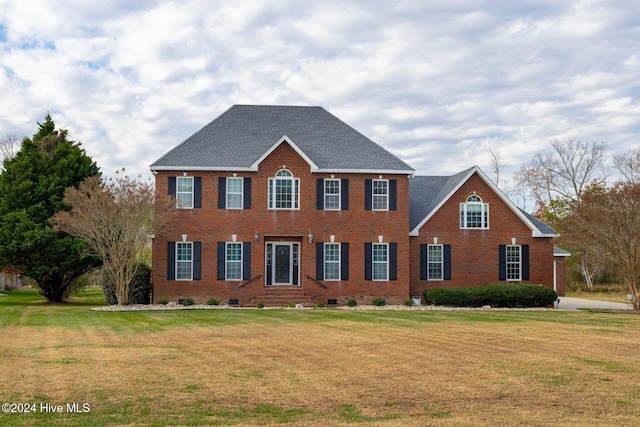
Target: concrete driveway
{"points": [[567, 303]]}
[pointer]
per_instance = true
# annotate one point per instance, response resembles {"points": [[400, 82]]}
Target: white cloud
{"points": [[434, 82]]}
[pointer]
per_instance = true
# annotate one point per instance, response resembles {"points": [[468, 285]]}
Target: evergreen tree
{"points": [[32, 187]]}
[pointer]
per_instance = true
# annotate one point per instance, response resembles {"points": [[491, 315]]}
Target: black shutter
{"points": [[172, 186], [344, 261], [319, 261], [320, 195], [269, 262], [197, 260], [393, 261], [502, 262], [423, 261], [368, 261], [222, 192], [368, 194], [525, 262], [222, 256], [393, 191], [344, 194], [247, 193], [447, 261], [197, 192], [171, 260], [246, 261]]}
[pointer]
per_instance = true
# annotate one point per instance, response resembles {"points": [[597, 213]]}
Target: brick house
{"points": [[285, 204]]}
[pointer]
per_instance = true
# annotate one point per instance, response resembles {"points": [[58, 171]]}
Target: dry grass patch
{"points": [[329, 368]]}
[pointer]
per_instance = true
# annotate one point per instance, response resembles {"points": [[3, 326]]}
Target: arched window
{"points": [[474, 213], [284, 191]]}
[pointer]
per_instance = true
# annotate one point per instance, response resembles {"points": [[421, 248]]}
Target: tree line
{"points": [[598, 222]]}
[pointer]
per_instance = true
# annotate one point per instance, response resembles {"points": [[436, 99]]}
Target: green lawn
{"points": [[314, 367]]}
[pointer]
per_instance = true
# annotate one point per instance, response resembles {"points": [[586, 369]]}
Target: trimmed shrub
{"points": [[320, 304], [163, 301], [378, 302], [213, 301], [352, 302], [496, 295], [408, 302], [139, 289], [188, 301], [291, 305], [260, 304]]}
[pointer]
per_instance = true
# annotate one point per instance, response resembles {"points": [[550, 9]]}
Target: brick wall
{"points": [[355, 226], [474, 252]]}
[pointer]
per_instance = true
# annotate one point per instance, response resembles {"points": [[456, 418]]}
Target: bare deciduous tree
{"points": [[560, 177], [564, 172], [608, 227], [496, 163], [116, 218], [628, 164], [10, 145]]}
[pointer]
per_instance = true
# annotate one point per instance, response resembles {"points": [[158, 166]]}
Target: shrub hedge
{"points": [[496, 295]]}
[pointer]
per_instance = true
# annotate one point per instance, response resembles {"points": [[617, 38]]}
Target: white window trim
{"points": [[374, 262], [241, 193], [441, 262], [227, 261], [178, 205], [295, 193], [339, 194], [332, 262], [484, 213], [373, 195], [519, 263], [190, 261]]}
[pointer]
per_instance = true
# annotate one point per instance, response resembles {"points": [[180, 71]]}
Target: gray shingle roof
{"points": [[239, 137]]}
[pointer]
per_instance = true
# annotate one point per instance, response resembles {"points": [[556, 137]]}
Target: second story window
{"points": [[234, 193], [332, 194], [474, 213], [284, 191], [380, 195], [184, 193]]}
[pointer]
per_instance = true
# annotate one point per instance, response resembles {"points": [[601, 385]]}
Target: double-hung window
{"points": [[332, 194], [474, 213], [514, 262], [233, 261], [284, 191], [184, 191], [434, 262], [184, 261], [234, 193], [380, 261], [380, 191], [332, 261]]}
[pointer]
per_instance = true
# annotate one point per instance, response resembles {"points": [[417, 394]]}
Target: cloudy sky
{"points": [[435, 82]]}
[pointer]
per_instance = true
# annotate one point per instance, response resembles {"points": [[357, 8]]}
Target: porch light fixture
{"points": [[310, 237], [256, 237]]}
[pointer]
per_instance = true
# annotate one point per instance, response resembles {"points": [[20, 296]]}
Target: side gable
{"points": [[425, 204]]}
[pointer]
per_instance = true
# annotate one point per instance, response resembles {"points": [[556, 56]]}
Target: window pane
{"points": [[184, 192], [513, 262], [332, 194], [434, 262], [284, 193], [380, 195], [380, 262], [332, 261], [184, 256], [234, 261]]}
